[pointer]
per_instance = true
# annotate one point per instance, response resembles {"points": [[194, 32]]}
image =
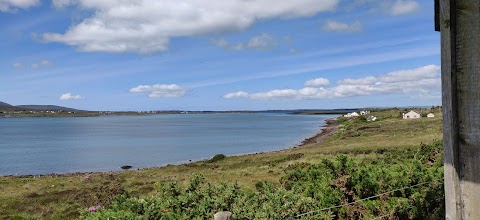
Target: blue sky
{"points": [[219, 55]]}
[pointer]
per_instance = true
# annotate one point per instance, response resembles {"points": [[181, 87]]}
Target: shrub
{"points": [[216, 158], [304, 188]]}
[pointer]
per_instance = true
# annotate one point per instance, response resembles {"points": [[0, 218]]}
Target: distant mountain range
{"points": [[7, 107]]}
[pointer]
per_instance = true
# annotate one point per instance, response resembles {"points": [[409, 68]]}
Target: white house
{"points": [[371, 118], [353, 114], [364, 112], [430, 115], [411, 115]]}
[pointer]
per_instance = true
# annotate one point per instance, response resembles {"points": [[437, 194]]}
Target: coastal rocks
{"points": [[87, 178], [225, 215], [126, 167], [328, 130]]}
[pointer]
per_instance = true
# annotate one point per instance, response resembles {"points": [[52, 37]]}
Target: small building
{"points": [[430, 115], [364, 112], [371, 118], [411, 115], [349, 115]]}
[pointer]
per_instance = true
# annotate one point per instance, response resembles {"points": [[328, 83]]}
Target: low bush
{"points": [[216, 158], [350, 186]]}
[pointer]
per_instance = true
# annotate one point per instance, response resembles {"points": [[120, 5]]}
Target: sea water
{"points": [[89, 144]]}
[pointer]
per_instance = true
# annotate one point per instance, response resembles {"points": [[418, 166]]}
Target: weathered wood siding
{"points": [[460, 34]]}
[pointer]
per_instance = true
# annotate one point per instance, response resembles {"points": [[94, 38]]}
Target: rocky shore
{"points": [[328, 130]]}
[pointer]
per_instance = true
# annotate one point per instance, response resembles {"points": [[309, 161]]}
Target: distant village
{"points": [[9, 113], [36, 112], [409, 115]]}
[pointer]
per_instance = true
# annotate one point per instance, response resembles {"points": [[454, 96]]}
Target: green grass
{"points": [[66, 196], [304, 187]]}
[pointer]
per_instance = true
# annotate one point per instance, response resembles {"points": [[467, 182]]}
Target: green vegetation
{"points": [[216, 158], [362, 159], [303, 188]]}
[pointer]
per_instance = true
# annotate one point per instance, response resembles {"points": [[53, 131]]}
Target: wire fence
{"points": [[368, 198]]}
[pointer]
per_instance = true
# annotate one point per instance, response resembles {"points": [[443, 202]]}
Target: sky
{"points": [[135, 55]]}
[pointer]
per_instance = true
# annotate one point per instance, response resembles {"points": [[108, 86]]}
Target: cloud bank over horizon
{"points": [[422, 81]]}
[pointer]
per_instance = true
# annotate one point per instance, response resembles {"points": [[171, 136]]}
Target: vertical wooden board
{"points": [[468, 95], [452, 188]]}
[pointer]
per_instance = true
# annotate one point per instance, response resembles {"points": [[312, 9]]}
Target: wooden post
{"points": [[460, 40]]}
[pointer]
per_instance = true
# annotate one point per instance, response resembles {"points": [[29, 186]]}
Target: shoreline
{"points": [[329, 129], [326, 131]]}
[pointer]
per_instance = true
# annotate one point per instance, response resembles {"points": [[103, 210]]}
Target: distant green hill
{"points": [[48, 108], [3, 104], [7, 107]]}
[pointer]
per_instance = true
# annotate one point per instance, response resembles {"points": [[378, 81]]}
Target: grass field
{"points": [[66, 196]]}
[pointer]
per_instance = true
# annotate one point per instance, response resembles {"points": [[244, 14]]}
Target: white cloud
{"points": [[222, 43], [260, 42], [69, 96], [63, 3], [329, 63], [420, 81], [160, 90], [42, 63], [335, 26], [146, 26], [426, 72], [317, 82], [17, 65], [263, 41], [369, 80], [12, 5], [401, 7], [391, 7], [239, 94]]}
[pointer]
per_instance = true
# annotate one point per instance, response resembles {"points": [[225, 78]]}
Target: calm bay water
{"points": [[63, 145]]}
